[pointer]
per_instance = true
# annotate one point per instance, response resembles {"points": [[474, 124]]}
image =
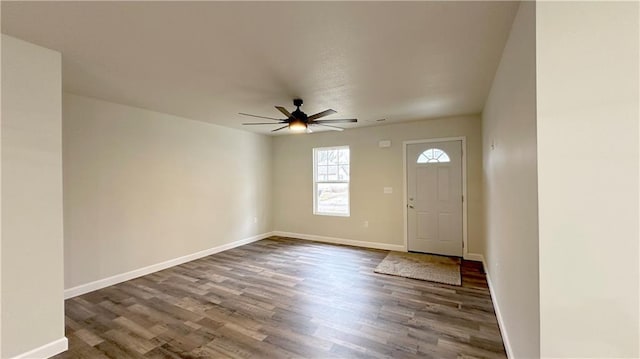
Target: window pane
{"points": [[332, 155], [343, 156], [322, 157], [332, 173], [343, 173], [322, 173], [429, 153], [332, 198]]}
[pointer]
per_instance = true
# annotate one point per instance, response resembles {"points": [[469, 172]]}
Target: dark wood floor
{"points": [[280, 298]]}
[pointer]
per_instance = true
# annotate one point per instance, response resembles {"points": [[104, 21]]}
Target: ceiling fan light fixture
{"points": [[297, 126]]}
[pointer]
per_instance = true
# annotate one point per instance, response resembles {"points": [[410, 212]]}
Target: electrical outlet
{"points": [[255, 219], [366, 224]]}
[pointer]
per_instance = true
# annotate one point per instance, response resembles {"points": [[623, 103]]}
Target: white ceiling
{"points": [[400, 61]]}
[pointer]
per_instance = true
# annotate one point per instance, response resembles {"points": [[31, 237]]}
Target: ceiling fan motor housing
{"points": [[297, 114]]}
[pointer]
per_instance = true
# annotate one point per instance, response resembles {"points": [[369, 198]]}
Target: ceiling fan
{"points": [[298, 121]]}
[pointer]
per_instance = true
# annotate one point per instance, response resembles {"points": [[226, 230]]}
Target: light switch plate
{"points": [[388, 190]]}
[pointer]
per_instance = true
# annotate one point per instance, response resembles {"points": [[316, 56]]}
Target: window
{"points": [[433, 155], [331, 181]]}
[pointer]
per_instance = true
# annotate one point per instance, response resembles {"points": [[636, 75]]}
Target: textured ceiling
{"points": [[400, 61]]}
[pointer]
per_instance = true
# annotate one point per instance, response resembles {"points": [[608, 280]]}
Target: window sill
{"points": [[332, 214]]}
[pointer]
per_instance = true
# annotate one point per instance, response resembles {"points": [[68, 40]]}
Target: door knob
{"points": [[410, 206]]}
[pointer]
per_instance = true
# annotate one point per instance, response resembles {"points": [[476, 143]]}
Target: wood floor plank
{"points": [[285, 298]]}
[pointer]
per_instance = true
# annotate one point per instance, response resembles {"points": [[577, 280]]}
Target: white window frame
{"points": [[315, 182]]}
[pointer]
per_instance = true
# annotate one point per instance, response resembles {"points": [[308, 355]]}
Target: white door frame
{"points": [[463, 139]]}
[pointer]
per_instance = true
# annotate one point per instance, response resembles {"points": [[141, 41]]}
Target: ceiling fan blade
{"points": [[333, 128], [263, 123], [268, 118], [278, 129], [284, 111], [337, 121], [322, 114]]}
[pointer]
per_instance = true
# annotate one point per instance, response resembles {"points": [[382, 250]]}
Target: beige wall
{"points": [[372, 169], [511, 188], [32, 263], [587, 78], [141, 187], [0, 200]]}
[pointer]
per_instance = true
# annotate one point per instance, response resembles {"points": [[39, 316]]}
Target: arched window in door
{"points": [[433, 155]]}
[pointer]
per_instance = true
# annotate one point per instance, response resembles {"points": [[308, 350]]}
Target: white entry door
{"points": [[434, 190]]}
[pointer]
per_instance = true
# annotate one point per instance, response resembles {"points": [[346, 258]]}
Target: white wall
{"points": [[32, 234], [142, 187], [587, 78], [372, 169], [510, 188]]}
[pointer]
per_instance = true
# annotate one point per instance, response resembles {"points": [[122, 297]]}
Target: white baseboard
{"points": [[474, 257], [46, 351], [123, 277], [348, 242], [496, 308]]}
